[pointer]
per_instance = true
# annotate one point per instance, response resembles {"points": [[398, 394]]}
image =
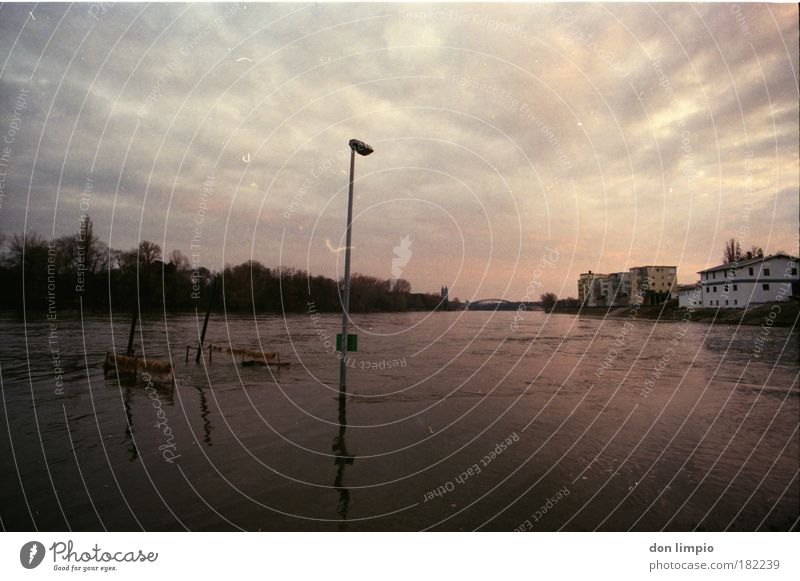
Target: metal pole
{"points": [[132, 334], [205, 322], [346, 285]]}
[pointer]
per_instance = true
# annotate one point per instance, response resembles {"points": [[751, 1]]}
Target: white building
{"points": [[690, 296], [759, 280]]}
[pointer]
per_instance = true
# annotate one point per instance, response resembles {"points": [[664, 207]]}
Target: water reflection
{"points": [[133, 452], [129, 386], [341, 460], [207, 427]]}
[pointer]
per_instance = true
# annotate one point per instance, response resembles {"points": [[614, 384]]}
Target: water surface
{"points": [[454, 421]]}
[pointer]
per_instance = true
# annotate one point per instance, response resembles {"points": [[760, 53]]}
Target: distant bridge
{"points": [[500, 305]]}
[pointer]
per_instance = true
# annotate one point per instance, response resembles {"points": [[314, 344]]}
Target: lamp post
{"points": [[361, 148]]}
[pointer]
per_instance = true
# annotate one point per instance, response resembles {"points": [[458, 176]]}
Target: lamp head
{"points": [[360, 147]]}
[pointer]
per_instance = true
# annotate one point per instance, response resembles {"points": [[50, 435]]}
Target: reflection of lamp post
{"points": [[361, 148], [341, 460]]}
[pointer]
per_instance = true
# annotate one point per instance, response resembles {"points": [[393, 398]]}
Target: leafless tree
{"points": [[733, 252]]}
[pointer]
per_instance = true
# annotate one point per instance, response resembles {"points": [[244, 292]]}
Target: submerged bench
{"points": [[250, 356], [121, 367]]}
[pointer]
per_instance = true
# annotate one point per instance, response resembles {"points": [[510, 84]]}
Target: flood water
{"points": [[453, 421]]}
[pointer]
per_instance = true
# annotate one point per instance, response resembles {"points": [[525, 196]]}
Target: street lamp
{"points": [[361, 148]]}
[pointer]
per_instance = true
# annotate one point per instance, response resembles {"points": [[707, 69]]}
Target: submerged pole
{"points": [[205, 322], [131, 334]]}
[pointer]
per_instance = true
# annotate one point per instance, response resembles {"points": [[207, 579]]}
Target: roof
{"points": [[740, 264], [656, 266], [685, 287]]}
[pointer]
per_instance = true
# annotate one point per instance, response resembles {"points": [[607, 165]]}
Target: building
{"points": [[611, 290], [586, 285], [690, 296], [588, 288], [620, 285], [604, 290], [653, 285], [759, 280]]}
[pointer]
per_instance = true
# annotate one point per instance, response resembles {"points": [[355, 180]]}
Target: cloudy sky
{"points": [[594, 136]]}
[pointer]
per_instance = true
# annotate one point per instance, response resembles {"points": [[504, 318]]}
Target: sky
{"points": [[516, 146]]}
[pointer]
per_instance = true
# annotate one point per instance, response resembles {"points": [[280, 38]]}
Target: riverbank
{"points": [[782, 314]]}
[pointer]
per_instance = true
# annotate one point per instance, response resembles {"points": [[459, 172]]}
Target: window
{"points": [[794, 272], [766, 272], [726, 288], [708, 289], [717, 302], [715, 289], [713, 275], [735, 287], [735, 302], [751, 270], [765, 286], [726, 302]]}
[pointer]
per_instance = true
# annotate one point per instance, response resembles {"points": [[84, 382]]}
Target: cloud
{"points": [[620, 134]]}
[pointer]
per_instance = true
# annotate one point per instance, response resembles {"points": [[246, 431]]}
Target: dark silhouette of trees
{"points": [[401, 286], [149, 252], [548, 301], [80, 269], [754, 252], [733, 252]]}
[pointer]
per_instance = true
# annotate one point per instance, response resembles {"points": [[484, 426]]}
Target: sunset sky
{"points": [[608, 136]]}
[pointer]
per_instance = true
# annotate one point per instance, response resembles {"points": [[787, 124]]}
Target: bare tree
{"points": [[733, 252], [401, 286], [101, 257], [149, 252], [179, 260], [20, 245]]}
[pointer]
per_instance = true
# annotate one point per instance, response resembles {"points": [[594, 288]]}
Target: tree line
{"points": [[80, 269], [734, 253]]}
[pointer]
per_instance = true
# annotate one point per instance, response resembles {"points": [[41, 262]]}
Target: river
{"points": [[452, 421]]}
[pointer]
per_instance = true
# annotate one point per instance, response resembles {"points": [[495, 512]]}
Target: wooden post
{"points": [[205, 322], [131, 334]]}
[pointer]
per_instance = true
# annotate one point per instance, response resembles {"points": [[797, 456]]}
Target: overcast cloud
{"points": [[618, 135]]}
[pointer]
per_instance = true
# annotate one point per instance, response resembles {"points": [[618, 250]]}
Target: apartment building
{"points": [[759, 280], [604, 290], [653, 285], [587, 288]]}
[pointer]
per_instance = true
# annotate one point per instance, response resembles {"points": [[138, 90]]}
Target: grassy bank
{"points": [[784, 314]]}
